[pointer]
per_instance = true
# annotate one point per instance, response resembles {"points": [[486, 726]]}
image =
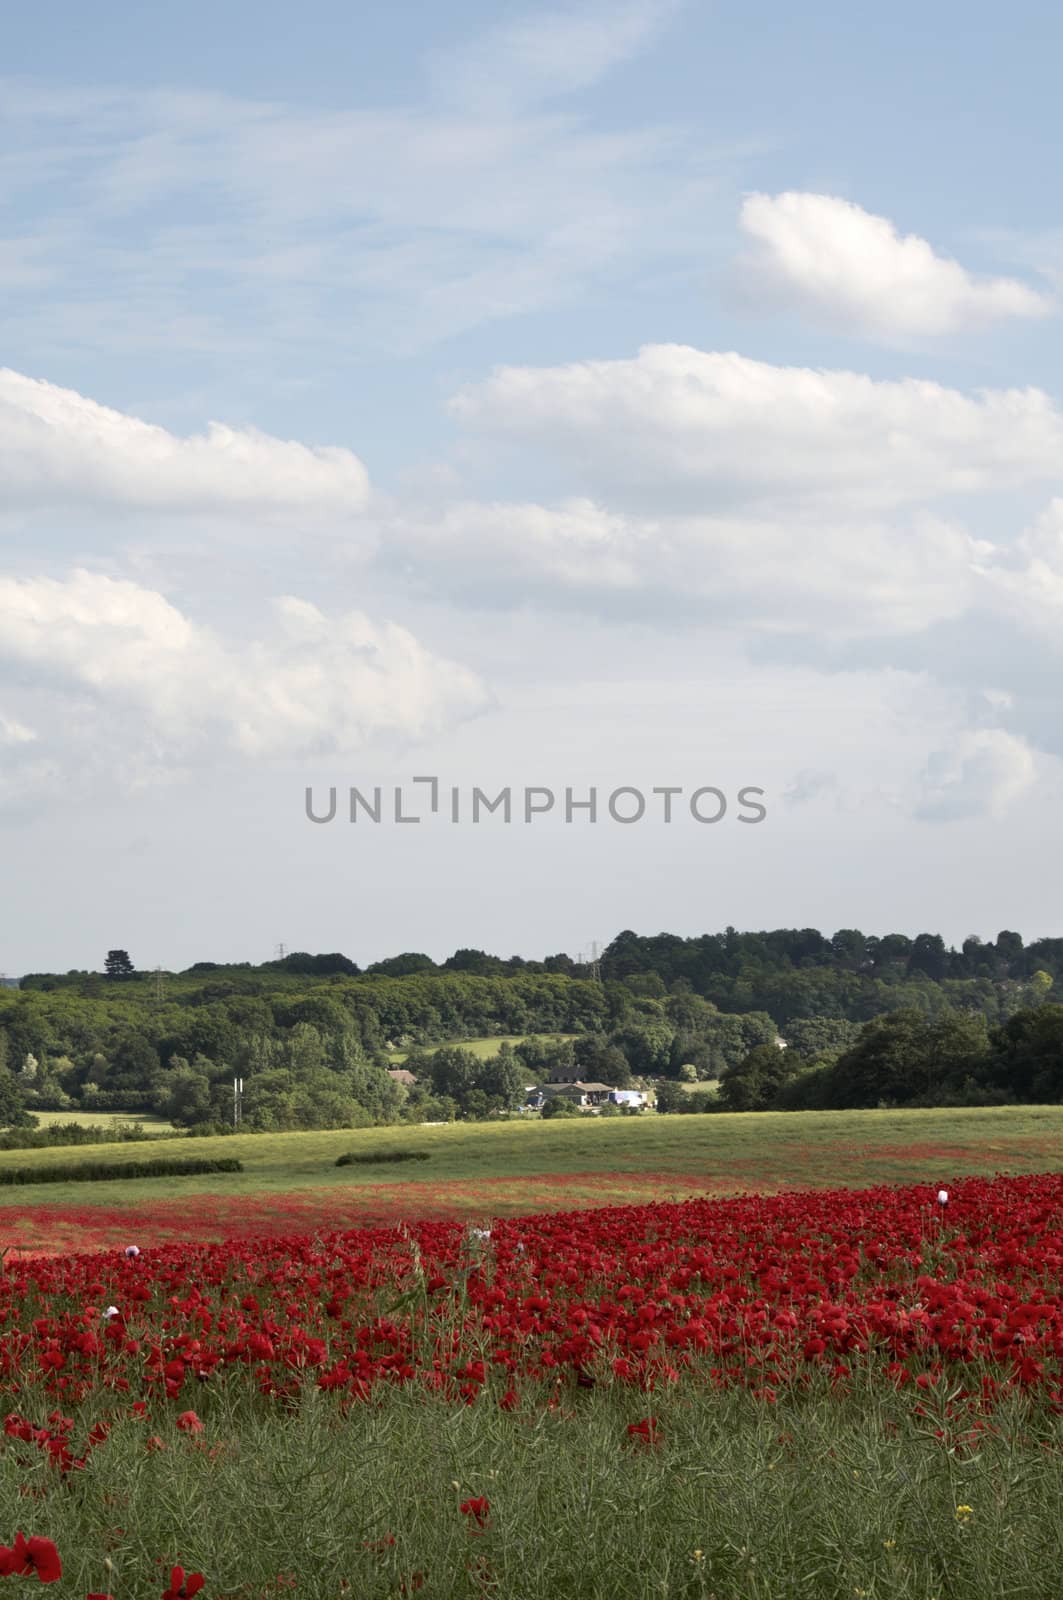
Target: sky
{"points": [[550, 401]]}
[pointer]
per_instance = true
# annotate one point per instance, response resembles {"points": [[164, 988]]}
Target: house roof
{"points": [[584, 1088], [400, 1075]]}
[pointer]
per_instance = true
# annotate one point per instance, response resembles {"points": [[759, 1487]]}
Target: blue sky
{"points": [[597, 390]]}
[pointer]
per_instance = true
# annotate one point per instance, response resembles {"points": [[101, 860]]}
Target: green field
{"points": [[103, 1119], [724, 1153], [481, 1048]]}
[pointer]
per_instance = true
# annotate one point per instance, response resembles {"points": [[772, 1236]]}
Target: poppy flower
{"points": [[182, 1588], [29, 1556], [188, 1422], [648, 1431], [478, 1508]]}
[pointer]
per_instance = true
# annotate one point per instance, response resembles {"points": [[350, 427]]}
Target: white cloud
{"points": [[119, 676], [680, 428], [1028, 588], [981, 773], [835, 577], [851, 269], [59, 448]]}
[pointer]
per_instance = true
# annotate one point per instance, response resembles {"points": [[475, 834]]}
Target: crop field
{"points": [[818, 1393], [480, 1170]]}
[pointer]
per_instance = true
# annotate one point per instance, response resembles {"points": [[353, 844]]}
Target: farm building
{"points": [[584, 1094]]}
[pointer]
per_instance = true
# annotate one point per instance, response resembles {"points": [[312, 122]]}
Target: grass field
{"points": [[103, 1119], [480, 1047], [291, 1181]]}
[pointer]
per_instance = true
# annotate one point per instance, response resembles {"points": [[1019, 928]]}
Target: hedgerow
{"points": [[372, 1157], [105, 1171]]}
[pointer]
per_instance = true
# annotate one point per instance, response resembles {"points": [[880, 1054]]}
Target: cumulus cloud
{"points": [[981, 773], [58, 448], [119, 675], [852, 270], [678, 427]]}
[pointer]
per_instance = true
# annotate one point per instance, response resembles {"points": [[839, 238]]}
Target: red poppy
{"points": [[188, 1422], [182, 1588], [648, 1431], [478, 1508], [29, 1556]]}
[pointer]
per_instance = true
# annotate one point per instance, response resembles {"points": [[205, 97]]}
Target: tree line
{"points": [[865, 1020]]}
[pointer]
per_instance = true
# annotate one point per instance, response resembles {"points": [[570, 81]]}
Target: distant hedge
{"points": [[65, 1133], [370, 1157], [103, 1171]]}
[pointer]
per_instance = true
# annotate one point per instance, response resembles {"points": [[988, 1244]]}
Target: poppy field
{"points": [[830, 1392]]}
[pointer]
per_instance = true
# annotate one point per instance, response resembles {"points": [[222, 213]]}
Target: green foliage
{"points": [[820, 1038], [559, 1105], [671, 1097], [108, 1171], [13, 1113], [822, 1495], [118, 964], [600, 1061], [74, 1133], [310, 1034], [908, 1059], [1027, 1055], [753, 1083], [542, 1058], [402, 966]]}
